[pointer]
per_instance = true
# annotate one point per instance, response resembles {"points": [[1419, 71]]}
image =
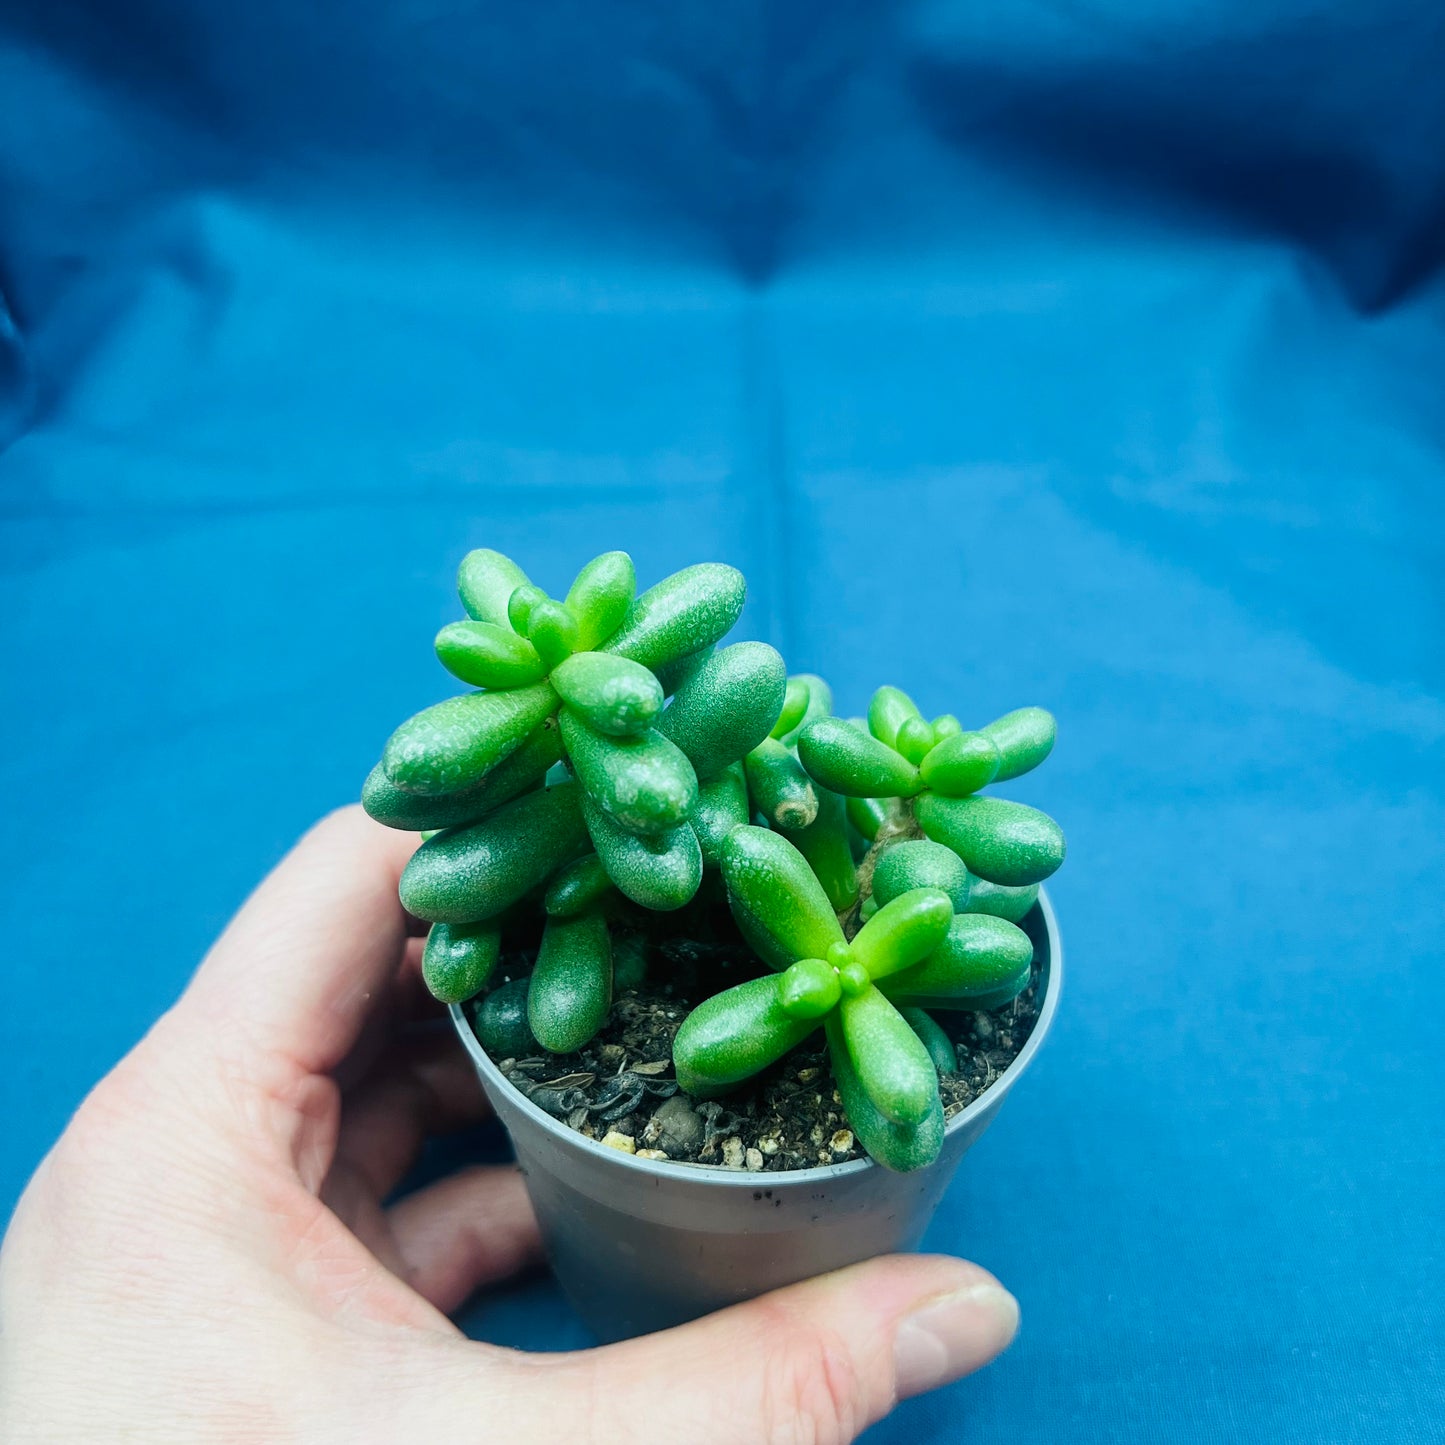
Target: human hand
{"points": [[204, 1256]]}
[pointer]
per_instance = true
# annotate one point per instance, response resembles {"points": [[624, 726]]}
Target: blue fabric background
{"points": [[1087, 354]]}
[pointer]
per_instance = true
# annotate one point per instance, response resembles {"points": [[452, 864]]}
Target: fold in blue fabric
{"points": [[1088, 355]]}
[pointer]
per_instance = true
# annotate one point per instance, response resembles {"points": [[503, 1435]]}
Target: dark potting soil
{"points": [[620, 1087]]}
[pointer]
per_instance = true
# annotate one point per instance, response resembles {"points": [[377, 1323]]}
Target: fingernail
{"points": [[950, 1336]]}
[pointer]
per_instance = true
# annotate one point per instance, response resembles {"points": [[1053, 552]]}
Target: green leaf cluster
{"points": [[612, 758]]}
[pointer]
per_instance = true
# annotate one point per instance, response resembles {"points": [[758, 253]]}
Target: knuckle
{"points": [[813, 1388], [146, 1098], [76, 1182], [107, 1115]]}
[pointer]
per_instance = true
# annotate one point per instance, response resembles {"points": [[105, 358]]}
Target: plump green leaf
{"points": [[459, 958], [915, 739], [471, 873], [781, 791], [452, 745], [500, 1022], [615, 696], [809, 988], [571, 988], [726, 708], [824, 843], [517, 773], [520, 605], [645, 783], [629, 961], [600, 596], [581, 887], [945, 725], [772, 883], [850, 762], [1010, 903], [552, 630], [660, 871], [890, 708], [918, 863], [902, 1148], [485, 583], [961, 764], [488, 655], [903, 931], [853, 978], [818, 703], [980, 958], [795, 704], [890, 1060], [760, 939], [683, 613], [672, 675], [733, 1035], [1002, 841], [932, 1037], [1024, 738], [722, 805]]}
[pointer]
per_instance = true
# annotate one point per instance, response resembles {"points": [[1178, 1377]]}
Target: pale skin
{"points": [[205, 1256]]}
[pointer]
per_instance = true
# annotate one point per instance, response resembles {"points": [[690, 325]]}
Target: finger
{"points": [[404, 1003], [469, 1230], [415, 1001], [302, 964], [401, 1003], [819, 1361], [426, 1085], [353, 1201]]}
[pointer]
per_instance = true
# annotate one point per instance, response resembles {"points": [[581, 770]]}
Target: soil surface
{"points": [[620, 1087]]}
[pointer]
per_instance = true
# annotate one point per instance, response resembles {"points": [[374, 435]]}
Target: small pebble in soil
{"points": [[842, 1141], [625, 1142], [652, 1154], [753, 1159], [676, 1126], [733, 1153]]}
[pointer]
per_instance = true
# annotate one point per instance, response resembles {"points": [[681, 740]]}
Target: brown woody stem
{"points": [[898, 827]]}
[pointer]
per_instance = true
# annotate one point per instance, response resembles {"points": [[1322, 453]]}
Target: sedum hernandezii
{"points": [[613, 762]]}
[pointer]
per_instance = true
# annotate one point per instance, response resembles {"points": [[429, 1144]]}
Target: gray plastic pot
{"points": [[641, 1244]]}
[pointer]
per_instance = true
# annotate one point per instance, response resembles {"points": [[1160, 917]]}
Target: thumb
{"points": [[816, 1362]]}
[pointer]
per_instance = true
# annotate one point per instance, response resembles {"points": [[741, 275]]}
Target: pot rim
{"points": [[746, 1178]]}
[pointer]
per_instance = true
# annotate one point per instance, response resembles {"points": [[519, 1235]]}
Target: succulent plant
{"points": [[868, 991], [599, 652], [812, 817], [567, 801], [891, 1094], [938, 768]]}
